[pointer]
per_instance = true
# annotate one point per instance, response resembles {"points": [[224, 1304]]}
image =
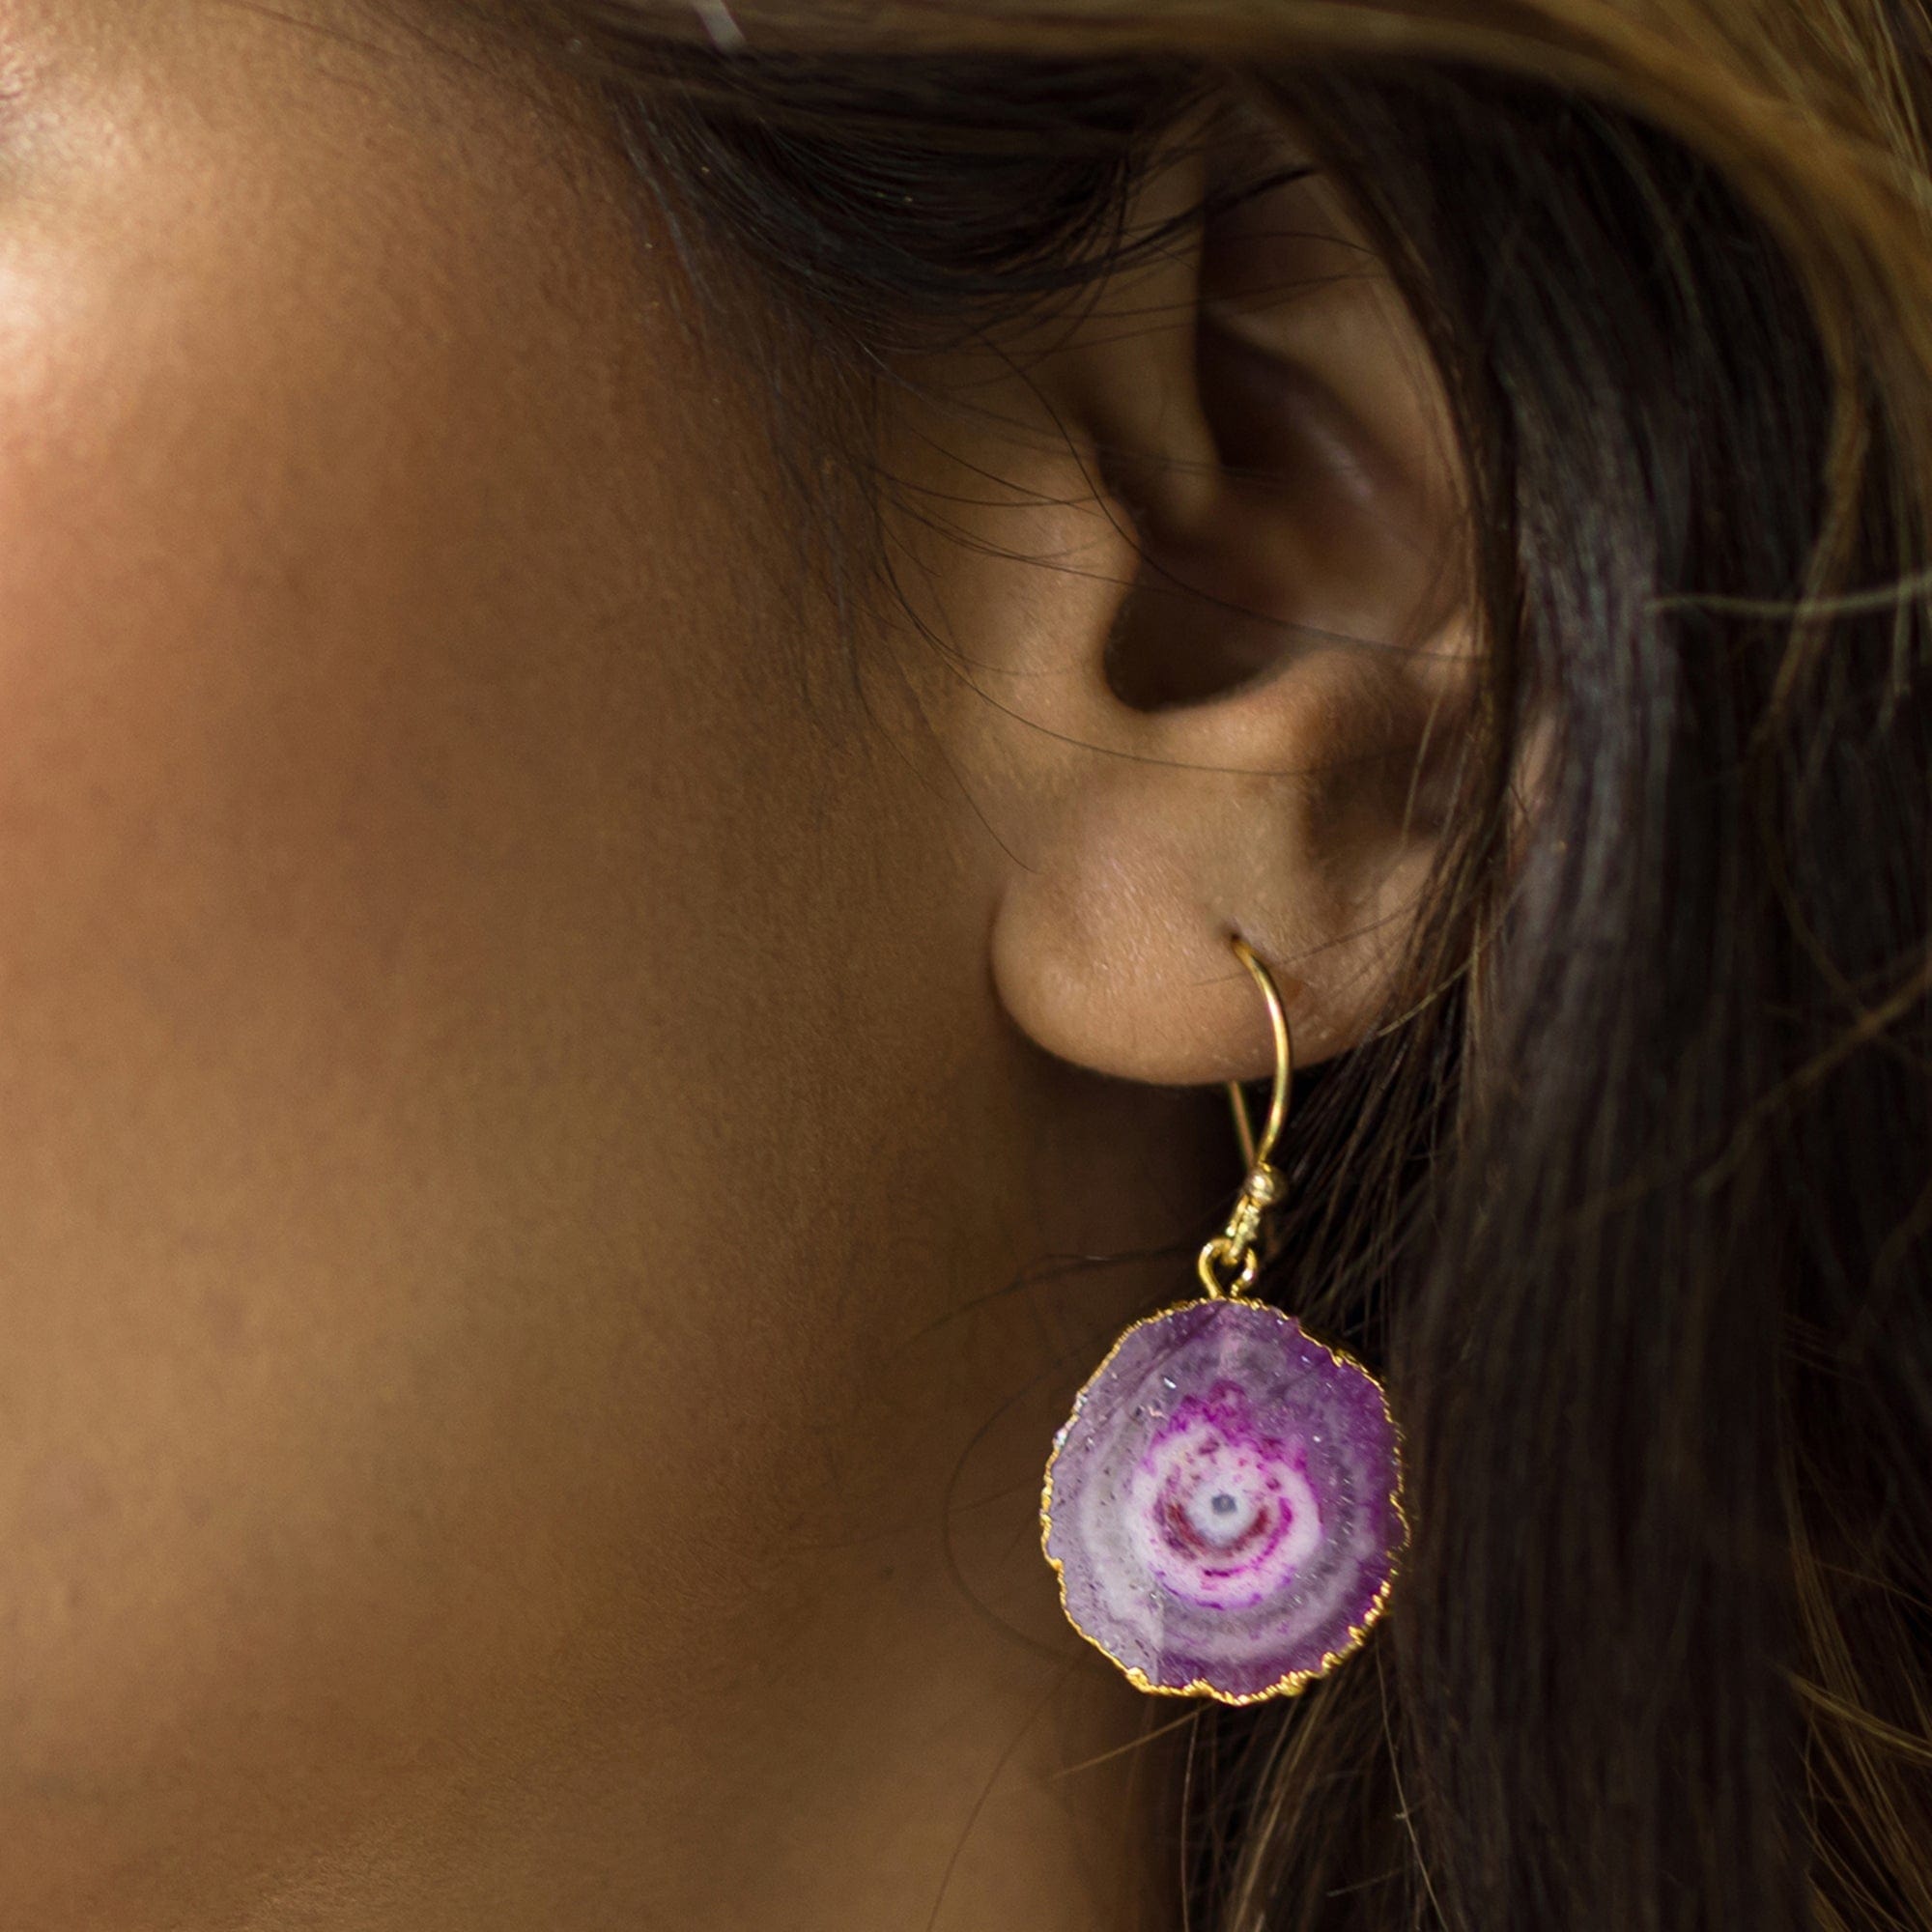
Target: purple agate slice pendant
{"points": [[1223, 1506]]}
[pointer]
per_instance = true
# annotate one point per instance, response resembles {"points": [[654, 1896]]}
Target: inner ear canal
{"points": [[1178, 638], [1196, 625]]}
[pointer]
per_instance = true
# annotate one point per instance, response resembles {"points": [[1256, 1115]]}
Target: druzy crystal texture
{"points": [[1224, 1503]]}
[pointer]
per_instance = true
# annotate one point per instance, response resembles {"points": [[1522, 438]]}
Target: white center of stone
{"points": [[1221, 1516]]}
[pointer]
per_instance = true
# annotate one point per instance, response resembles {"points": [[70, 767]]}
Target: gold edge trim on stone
{"points": [[1295, 1681]]}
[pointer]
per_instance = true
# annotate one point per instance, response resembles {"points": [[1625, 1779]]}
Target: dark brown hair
{"points": [[1633, 1205]]}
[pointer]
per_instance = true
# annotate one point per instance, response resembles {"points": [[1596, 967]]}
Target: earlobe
{"points": [[1233, 705]]}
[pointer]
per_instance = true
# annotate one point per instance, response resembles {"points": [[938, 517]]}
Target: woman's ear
{"points": [[1192, 555]]}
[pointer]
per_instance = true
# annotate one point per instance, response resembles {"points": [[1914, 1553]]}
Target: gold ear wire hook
{"points": [[1284, 1065], [1234, 1246]]}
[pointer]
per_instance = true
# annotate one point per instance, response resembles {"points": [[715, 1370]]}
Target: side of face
{"points": [[511, 1103], [479, 982]]}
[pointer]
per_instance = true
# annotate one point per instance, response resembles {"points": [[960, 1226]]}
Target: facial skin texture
{"points": [[524, 1082]]}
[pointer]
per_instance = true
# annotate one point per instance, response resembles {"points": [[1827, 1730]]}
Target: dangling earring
{"points": [[1224, 1504]]}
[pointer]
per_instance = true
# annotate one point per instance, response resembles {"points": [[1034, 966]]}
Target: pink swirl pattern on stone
{"points": [[1224, 1503]]}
